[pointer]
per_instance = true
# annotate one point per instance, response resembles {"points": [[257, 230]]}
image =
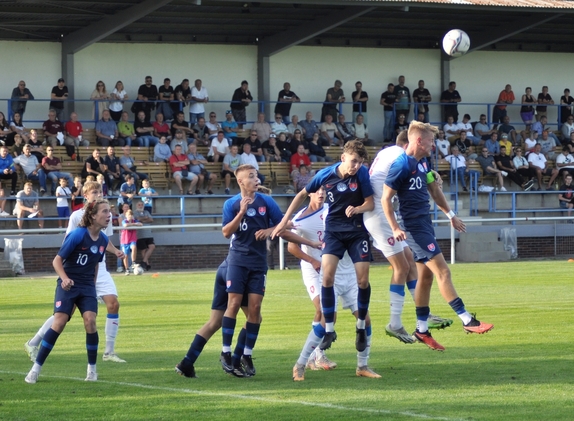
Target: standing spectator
{"points": [[129, 165], [100, 97], [59, 95], [73, 129], [161, 151], [199, 97], [28, 206], [565, 105], [126, 131], [230, 127], [32, 168], [128, 191], [309, 126], [147, 94], [160, 127], [129, 238], [107, 131], [403, 98], [53, 130], [180, 124], [285, 99], [388, 99], [278, 126], [566, 196], [489, 167], [230, 163], [94, 165], [505, 164], [334, 96], [179, 163], [452, 98], [77, 198], [527, 110], [422, 96], [17, 127], [62, 205], [538, 163], [20, 96], [544, 99], [147, 193], [53, 169], [213, 125], [112, 173], [182, 95], [219, 148], [197, 166], [241, 99], [360, 99], [505, 97], [261, 127], [247, 158], [8, 169], [118, 96], [145, 243], [144, 131], [165, 97]]}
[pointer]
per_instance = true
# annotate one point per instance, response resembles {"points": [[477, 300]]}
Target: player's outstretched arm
{"points": [[297, 239], [440, 200], [387, 203], [295, 204]]}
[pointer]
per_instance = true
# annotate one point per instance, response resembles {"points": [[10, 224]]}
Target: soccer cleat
{"points": [[298, 372], [401, 334], [119, 269], [238, 371], [113, 358], [247, 364], [226, 363], [127, 272], [427, 339], [475, 326], [32, 351], [92, 376], [185, 370], [323, 363], [437, 322], [328, 339], [365, 371], [311, 365], [227, 191], [32, 377], [361, 340]]}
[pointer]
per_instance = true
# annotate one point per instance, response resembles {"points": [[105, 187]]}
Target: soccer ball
{"points": [[456, 42], [138, 270]]}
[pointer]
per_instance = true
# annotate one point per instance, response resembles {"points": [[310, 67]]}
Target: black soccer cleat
{"points": [[185, 370], [226, 362], [328, 339], [247, 364], [361, 340]]}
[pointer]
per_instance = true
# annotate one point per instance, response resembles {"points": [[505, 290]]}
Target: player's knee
{"points": [[90, 322], [113, 306]]}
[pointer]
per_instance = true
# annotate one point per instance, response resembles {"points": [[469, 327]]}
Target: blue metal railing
{"points": [[513, 210]]}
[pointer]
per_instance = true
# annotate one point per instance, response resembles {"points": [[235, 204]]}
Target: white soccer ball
{"points": [[138, 270], [456, 42]]}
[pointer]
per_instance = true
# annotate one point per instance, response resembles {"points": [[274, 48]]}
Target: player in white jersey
{"points": [[309, 224], [397, 253], [105, 286]]}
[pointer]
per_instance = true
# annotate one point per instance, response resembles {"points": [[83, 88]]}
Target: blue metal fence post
{"points": [[182, 210]]}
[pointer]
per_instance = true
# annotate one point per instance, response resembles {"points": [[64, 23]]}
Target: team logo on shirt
{"points": [[58, 304], [422, 166], [94, 249], [228, 283], [102, 249], [391, 241], [341, 187], [262, 210], [251, 212], [353, 186], [431, 247]]}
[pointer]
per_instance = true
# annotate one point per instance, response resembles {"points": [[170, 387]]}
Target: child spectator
{"points": [[100, 179], [77, 198], [62, 205], [129, 238], [90, 178], [18, 148], [301, 178], [2, 202], [146, 192], [161, 151]]}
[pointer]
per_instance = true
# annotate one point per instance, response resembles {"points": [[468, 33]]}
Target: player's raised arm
{"points": [[295, 204]]}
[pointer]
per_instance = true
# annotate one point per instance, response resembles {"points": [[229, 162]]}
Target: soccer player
{"points": [[411, 180], [105, 287], [77, 266], [397, 253], [349, 195], [308, 223]]}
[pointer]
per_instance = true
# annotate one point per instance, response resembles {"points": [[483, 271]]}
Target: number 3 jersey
{"points": [[81, 255], [262, 213]]}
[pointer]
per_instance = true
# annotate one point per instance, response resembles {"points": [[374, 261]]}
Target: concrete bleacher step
{"points": [[481, 247], [6, 269]]}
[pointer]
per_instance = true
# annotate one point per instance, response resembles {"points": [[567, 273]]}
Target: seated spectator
{"points": [[36, 145], [179, 139], [261, 127], [74, 130], [17, 149], [345, 129], [443, 145], [492, 145], [570, 143], [330, 134], [179, 163], [465, 125], [278, 126], [567, 128], [165, 96], [94, 165], [145, 243], [566, 196], [162, 151], [541, 125], [530, 141], [361, 132], [201, 132], [248, 158], [180, 124], [538, 163], [482, 130], [565, 162], [451, 130], [505, 142], [457, 163], [300, 158], [283, 144], [28, 206], [53, 130], [255, 144], [508, 129], [219, 148], [32, 168], [486, 161], [309, 126], [294, 125], [197, 166], [126, 132], [302, 177], [296, 141], [465, 146], [128, 191], [113, 172], [548, 145], [107, 131], [129, 166], [160, 127], [144, 131], [230, 127], [505, 164], [8, 169], [316, 151], [522, 166], [270, 149], [17, 127], [230, 163], [53, 169], [213, 125]]}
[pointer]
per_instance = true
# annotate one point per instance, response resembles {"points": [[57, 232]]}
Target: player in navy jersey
{"points": [[349, 195], [77, 267], [411, 179]]}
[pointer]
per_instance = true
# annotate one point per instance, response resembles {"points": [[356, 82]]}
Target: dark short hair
{"points": [[244, 82]]}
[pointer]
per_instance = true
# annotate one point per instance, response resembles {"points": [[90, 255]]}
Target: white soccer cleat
{"points": [[92, 376], [32, 377], [401, 334], [113, 358], [322, 362], [32, 351]]}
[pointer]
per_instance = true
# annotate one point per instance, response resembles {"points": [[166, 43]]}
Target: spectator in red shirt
{"points": [[499, 111], [160, 127], [300, 158], [73, 129]]}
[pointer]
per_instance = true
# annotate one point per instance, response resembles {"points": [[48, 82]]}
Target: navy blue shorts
{"points": [[241, 280], [219, 290], [421, 239], [83, 296], [356, 243]]}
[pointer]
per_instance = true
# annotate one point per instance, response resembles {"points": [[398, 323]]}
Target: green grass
{"points": [[522, 370]]}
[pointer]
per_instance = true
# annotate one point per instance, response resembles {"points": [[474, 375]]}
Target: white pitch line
{"points": [[256, 398]]}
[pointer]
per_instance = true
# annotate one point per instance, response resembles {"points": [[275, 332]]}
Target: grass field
{"points": [[522, 370]]}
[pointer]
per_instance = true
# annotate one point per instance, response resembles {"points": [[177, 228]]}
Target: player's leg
{"points": [[236, 279], [363, 369], [92, 341], [363, 300], [329, 264], [33, 345], [256, 291], [112, 327], [422, 299]]}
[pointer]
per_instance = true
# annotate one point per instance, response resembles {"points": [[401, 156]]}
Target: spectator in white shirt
{"points": [[219, 148]]}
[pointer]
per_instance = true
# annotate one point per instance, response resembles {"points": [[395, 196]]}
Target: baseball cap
{"points": [[229, 112], [272, 135]]}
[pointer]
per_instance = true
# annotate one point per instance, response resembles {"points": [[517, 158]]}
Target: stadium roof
{"points": [[507, 25]]}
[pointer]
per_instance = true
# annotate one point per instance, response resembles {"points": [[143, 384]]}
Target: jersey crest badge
{"points": [[422, 167], [391, 241], [102, 249], [431, 247], [94, 249], [262, 210], [58, 304], [341, 187], [251, 212], [228, 283], [353, 186]]}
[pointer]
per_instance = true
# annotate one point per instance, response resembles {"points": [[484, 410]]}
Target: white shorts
{"points": [[383, 238], [104, 283], [312, 280], [346, 290]]}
